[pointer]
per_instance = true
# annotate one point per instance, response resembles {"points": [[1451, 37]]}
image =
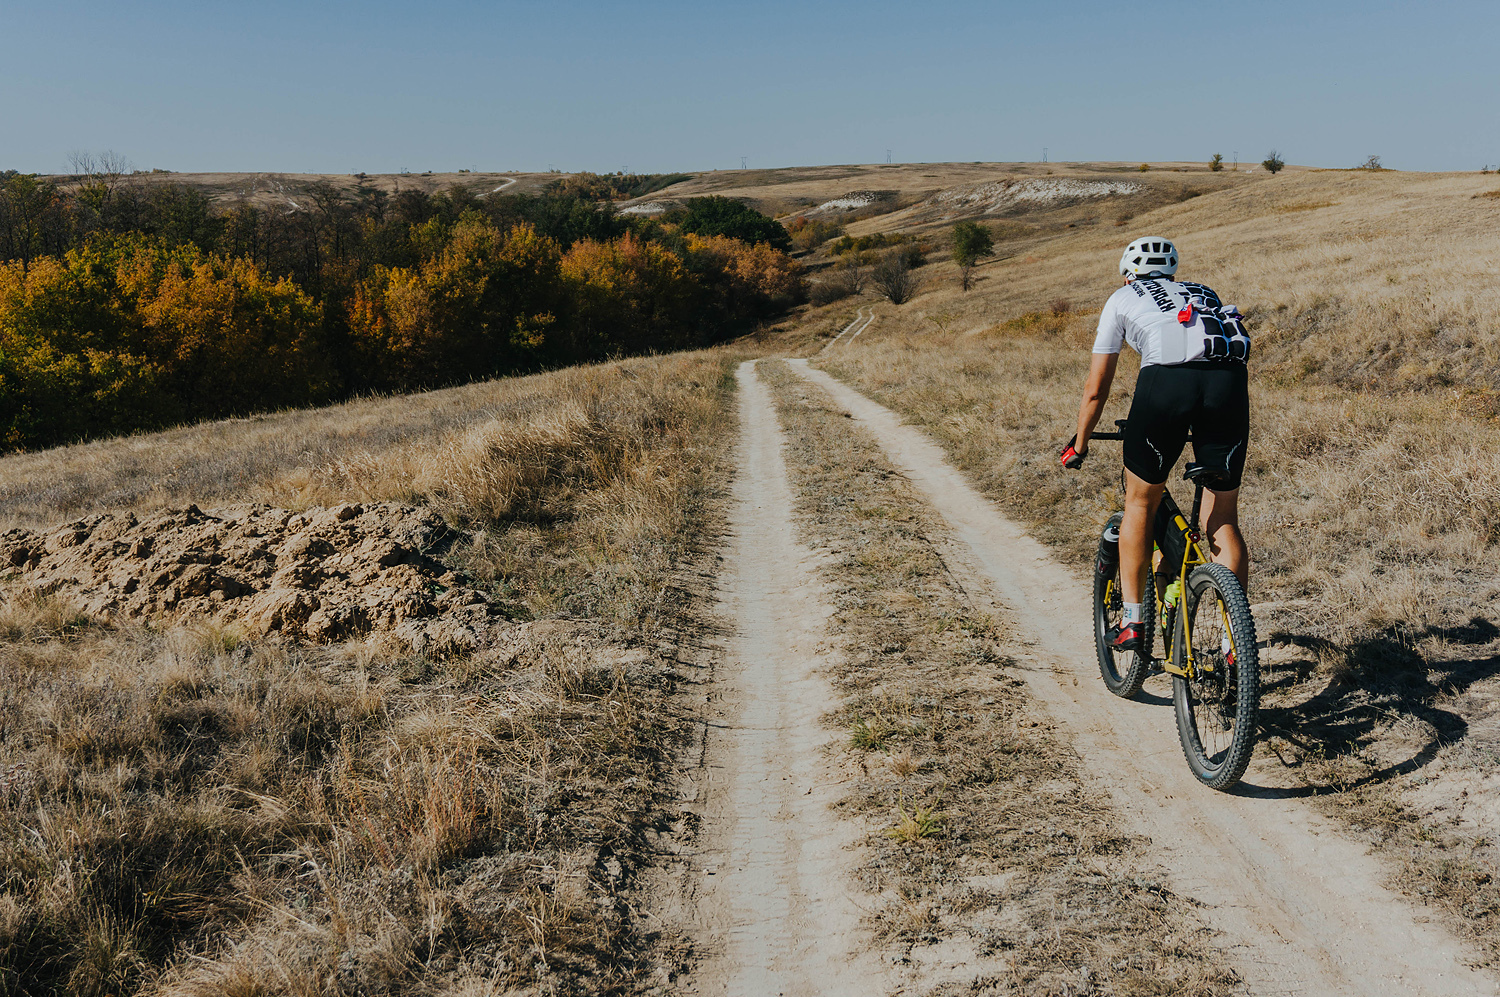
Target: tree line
{"points": [[127, 306]]}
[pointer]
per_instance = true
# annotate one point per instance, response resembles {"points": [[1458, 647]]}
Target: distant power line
{"points": [[887, 155], [742, 162]]}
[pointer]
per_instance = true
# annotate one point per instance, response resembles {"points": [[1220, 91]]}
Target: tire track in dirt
{"points": [[858, 317], [778, 909], [1301, 907]]}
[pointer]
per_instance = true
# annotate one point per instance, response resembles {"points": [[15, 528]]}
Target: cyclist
{"points": [[1193, 378]]}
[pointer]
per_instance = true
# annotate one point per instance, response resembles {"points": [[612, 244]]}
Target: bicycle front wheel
{"points": [[1123, 673], [1217, 707]]}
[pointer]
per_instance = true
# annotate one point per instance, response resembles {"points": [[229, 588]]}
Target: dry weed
{"points": [[190, 811], [1370, 514]]}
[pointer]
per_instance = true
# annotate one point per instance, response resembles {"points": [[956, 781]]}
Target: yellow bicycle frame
{"points": [[1192, 556]]}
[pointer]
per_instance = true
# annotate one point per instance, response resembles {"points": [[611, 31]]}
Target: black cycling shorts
{"points": [[1209, 399]]}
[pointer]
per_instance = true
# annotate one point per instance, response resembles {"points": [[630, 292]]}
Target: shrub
{"points": [[971, 243], [854, 271], [893, 277], [809, 235], [915, 249], [1371, 163], [1217, 163], [828, 291], [1144, 167], [1273, 163]]}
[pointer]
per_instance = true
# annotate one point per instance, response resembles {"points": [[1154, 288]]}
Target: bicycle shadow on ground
{"points": [[1331, 714]]}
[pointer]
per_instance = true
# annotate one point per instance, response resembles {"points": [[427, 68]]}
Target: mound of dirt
{"points": [[323, 575]]}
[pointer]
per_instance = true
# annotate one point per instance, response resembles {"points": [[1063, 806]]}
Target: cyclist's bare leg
{"points": [[1141, 500], [1221, 524]]}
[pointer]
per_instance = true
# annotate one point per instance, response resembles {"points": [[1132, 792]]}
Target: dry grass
{"points": [[188, 812], [1372, 489], [412, 447], [995, 855]]}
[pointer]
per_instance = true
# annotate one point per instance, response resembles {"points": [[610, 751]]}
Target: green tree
{"points": [[971, 243], [726, 216], [1217, 163], [1273, 163]]}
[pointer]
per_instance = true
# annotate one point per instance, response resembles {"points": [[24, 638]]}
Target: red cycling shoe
{"points": [[1127, 638]]}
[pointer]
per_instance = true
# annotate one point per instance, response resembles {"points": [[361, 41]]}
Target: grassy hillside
{"points": [[1372, 488], [195, 806]]}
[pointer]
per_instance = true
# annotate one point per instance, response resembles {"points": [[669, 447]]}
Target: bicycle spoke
{"points": [[1217, 705]]}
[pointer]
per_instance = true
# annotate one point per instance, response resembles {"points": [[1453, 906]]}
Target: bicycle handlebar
{"points": [[1118, 434]]}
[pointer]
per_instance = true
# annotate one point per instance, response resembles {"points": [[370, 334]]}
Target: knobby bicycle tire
{"points": [[1123, 682], [1219, 705]]}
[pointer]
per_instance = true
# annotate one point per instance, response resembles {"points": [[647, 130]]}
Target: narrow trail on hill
{"points": [[859, 316], [777, 908], [1301, 908]]}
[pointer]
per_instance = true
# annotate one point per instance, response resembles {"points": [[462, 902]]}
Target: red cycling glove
{"points": [[1071, 458]]}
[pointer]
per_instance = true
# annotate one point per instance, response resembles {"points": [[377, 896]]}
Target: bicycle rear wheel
{"points": [[1123, 673], [1216, 709]]}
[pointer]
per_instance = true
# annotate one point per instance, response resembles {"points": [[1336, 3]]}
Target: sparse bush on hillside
{"points": [[854, 271], [865, 243], [1371, 163], [1217, 163], [971, 243], [1144, 167], [825, 292], [1273, 163], [893, 277]]}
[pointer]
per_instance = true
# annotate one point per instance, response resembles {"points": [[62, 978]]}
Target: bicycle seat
{"points": [[1211, 478]]}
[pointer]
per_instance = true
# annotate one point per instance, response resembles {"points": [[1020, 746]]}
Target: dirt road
{"points": [[778, 910], [859, 316], [1300, 907]]}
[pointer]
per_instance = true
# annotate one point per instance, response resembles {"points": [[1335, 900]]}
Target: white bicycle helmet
{"points": [[1149, 255]]}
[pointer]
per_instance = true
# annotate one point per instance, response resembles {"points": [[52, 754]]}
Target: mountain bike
{"points": [[1208, 635]]}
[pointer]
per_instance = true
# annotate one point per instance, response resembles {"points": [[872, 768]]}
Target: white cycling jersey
{"points": [[1171, 322]]}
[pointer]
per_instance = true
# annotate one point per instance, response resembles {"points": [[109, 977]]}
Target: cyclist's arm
{"points": [[1095, 394]]}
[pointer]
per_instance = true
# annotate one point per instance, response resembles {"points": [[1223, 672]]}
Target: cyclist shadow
{"points": [[1330, 703]]}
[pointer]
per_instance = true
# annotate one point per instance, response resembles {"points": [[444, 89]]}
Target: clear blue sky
{"points": [[337, 87]]}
